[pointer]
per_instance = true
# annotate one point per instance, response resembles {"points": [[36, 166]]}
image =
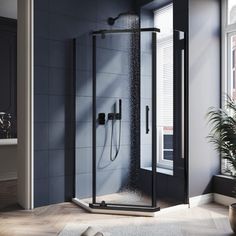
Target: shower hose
{"points": [[113, 158]]}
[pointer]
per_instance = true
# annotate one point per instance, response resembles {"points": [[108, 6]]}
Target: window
{"points": [[163, 19], [229, 47], [228, 54]]}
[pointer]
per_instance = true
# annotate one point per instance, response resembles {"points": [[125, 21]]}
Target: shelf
{"points": [[7, 142]]}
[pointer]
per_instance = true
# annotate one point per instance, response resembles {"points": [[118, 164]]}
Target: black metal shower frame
{"points": [[125, 207]]}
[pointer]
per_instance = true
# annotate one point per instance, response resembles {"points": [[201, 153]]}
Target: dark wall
{"points": [[204, 91], [57, 22], [225, 185]]}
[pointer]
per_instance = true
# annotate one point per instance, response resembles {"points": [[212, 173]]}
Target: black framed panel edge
{"points": [[154, 117], [130, 207], [120, 207]]}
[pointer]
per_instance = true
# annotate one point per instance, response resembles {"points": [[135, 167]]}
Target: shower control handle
{"points": [[147, 119], [102, 118]]}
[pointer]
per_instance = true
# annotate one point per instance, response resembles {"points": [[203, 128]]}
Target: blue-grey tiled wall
{"points": [[57, 22], [113, 63]]}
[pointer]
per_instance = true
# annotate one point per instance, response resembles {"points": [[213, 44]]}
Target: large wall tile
{"points": [[83, 185], [41, 139], [113, 61], [41, 26], [41, 78], [61, 81], [84, 83], [41, 192], [41, 108], [57, 108], [84, 57], [65, 28], [57, 190], [61, 54], [41, 51], [84, 10], [41, 164], [56, 163], [41, 5], [83, 134], [57, 135], [111, 181]]}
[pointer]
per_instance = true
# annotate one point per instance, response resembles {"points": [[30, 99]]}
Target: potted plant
{"points": [[223, 136]]}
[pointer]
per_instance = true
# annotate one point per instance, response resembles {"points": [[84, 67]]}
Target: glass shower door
{"points": [[122, 122]]}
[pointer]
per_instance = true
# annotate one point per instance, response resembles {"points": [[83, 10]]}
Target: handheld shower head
{"points": [[112, 20]]}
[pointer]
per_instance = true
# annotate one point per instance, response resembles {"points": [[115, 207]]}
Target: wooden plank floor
{"points": [[51, 220]]}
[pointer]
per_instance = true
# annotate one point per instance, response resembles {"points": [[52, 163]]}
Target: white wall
{"points": [[204, 90]]}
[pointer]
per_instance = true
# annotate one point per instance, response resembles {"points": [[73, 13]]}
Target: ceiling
{"points": [[8, 8]]}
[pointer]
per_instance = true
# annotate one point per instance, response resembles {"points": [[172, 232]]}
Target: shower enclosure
{"points": [[109, 166]]}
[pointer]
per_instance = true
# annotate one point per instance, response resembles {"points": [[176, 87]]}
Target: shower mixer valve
{"points": [[116, 116], [110, 116]]}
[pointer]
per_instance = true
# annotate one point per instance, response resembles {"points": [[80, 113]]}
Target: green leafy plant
{"points": [[223, 132]]}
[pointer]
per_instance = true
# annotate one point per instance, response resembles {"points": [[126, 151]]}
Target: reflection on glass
{"points": [[231, 12], [5, 125], [232, 88]]}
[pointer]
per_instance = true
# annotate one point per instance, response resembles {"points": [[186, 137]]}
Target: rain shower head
{"points": [[112, 20]]}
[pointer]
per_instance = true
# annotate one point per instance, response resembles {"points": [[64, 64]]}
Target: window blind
{"points": [[163, 20]]}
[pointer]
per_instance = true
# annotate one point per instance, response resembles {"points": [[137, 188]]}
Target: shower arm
{"points": [[112, 20]]}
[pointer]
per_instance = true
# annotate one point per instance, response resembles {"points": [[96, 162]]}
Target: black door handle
{"points": [[147, 119]]}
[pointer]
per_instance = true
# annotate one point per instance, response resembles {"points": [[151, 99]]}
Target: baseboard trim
{"points": [[201, 200], [223, 200], [8, 176], [211, 197]]}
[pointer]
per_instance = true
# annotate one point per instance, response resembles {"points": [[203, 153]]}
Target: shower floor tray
{"points": [[132, 198]]}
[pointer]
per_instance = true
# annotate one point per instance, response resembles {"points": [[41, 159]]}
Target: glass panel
{"points": [[168, 147], [164, 21], [83, 160], [231, 12], [118, 153], [146, 101], [231, 82], [8, 80], [146, 110], [232, 66]]}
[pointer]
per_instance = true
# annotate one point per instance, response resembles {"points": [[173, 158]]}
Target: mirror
{"points": [[8, 69]]}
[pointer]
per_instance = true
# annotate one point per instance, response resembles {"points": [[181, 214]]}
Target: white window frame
{"points": [[226, 32], [161, 162]]}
